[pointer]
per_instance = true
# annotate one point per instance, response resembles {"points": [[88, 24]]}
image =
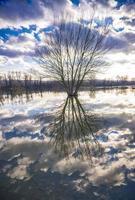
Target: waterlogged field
{"points": [[58, 148]]}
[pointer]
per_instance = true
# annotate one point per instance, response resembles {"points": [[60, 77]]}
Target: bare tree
{"points": [[72, 52]]}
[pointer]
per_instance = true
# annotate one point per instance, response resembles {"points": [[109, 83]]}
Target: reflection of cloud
{"points": [[20, 171], [40, 156], [35, 163], [20, 134]]}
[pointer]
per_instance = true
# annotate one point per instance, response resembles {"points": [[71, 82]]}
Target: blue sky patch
{"points": [[6, 33], [119, 29], [106, 21], [76, 2], [122, 2]]}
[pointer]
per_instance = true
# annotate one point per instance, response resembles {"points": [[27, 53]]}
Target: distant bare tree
{"points": [[72, 52]]}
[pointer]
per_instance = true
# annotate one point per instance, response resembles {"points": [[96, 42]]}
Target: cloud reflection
{"points": [[30, 165]]}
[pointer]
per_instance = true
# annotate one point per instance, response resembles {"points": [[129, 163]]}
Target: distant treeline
{"points": [[22, 88], [110, 83], [19, 82], [23, 83]]}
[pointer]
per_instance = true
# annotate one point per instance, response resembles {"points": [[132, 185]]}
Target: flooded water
{"points": [[54, 147]]}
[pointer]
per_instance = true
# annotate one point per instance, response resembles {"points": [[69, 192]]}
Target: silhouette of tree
{"points": [[72, 52]]}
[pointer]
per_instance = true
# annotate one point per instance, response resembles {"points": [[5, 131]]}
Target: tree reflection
{"points": [[18, 96], [73, 130]]}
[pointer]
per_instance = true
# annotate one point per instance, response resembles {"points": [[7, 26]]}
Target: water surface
{"points": [[54, 147]]}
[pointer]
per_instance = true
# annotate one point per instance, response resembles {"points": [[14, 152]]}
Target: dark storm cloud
{"points": [[116, 43], [20, 9], [27, 9], [131, 22], [52, 3], [130, 37], [130, 7]]}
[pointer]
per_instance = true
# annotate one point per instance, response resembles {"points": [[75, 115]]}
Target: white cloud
{"points": [[24, 45]]}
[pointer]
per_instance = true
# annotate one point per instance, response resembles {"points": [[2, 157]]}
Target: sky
{"points": [[24, 23]]}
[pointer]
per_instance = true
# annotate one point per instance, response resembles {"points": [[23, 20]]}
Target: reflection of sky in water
{"points": [[28, 161]]}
